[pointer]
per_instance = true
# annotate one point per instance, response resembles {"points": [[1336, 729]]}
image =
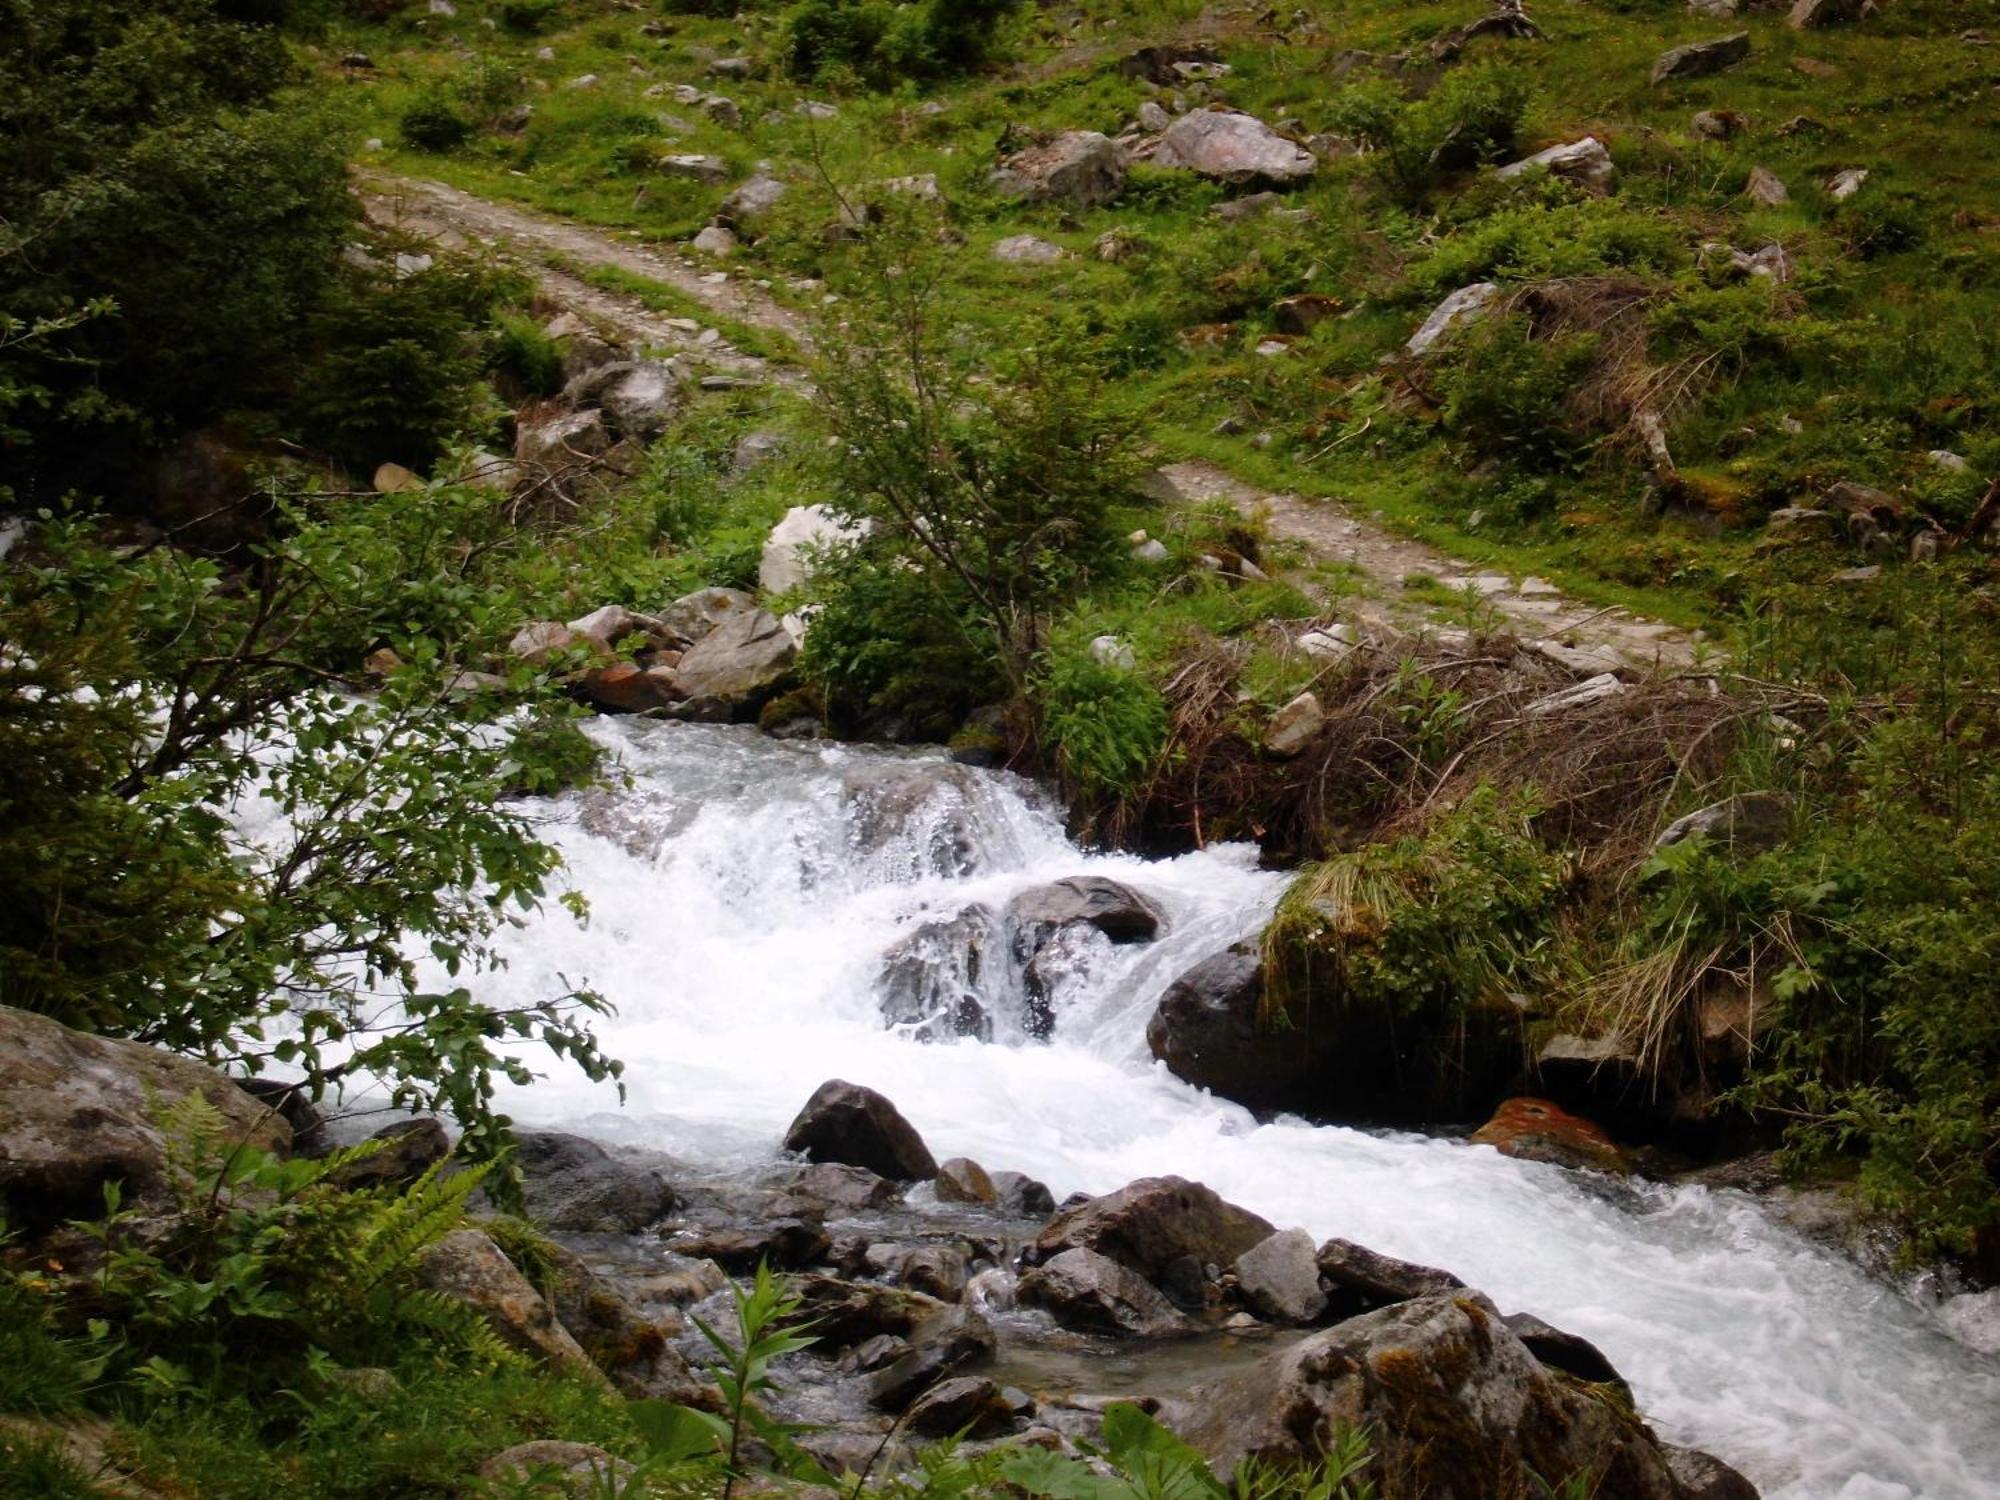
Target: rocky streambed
{"points": [[946, 1300]]}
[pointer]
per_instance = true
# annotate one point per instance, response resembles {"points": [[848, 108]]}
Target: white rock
{"points": [[1950, 462], [1028, 250], [1109, 651], [1331, 642], [1466, 305], [1579, 661], [1585, 162], [716, 241], [1233, 147], [1844, 185], [1151, 550], [798, 543], [1593, 690], [585, 81], [1280, 1277], [1295, 726]]}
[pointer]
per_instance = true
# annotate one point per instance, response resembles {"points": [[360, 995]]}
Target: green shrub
{"points": [[885, 44], [530, 17], [1104, 727], [1559, 236], [1503, 392], [435, 121], [527, 358], [1472, 116], [396, 361]]}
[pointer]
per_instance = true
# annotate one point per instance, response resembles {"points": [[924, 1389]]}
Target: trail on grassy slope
{"points": [[555, 251]]}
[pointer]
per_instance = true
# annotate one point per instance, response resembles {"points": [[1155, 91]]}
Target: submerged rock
{"points": [[1537, 1130]]}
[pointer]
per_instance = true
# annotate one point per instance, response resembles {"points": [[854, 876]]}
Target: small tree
{"points": [[986, 475]]}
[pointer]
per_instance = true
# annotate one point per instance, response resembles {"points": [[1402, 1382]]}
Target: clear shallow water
{"points": [[742, 892]]}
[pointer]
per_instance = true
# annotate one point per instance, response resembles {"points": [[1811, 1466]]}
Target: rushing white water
{"points": [[743, 891]]}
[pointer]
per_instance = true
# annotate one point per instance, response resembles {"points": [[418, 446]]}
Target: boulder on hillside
{"points": [[844, 1122], [1232, 147], [1150, 1223], [730, 672], [693, 616], [561, 440], [1466, 305], [751, 202], [1078, 167], [1747, 823], [1028, 250], [1093, 1293], [798, 543], [1697, 59], [78, 1111], [1208, 1030], [1807, 15], [1586, 163], [638, 398], [1454, 1404], [467, 1266], [571, 1183]]}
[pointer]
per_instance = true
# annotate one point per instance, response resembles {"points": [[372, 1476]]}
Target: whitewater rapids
{"points": [[743, 890]]}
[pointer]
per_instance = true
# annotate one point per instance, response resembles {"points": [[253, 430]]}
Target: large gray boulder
{"points": [[571, 1183], [693, 616], [1359, 1280], [1116, 910], [1092, 1293], [1586, 163], [1697, 59], [751, 202], [845, 1122], [80, 1111], [468, 1267], [1455, 1406], [1208, 1029], [735, 667], [1149, 1224], [1279, 1277], [1233, 147], [638, 398], [1078, 167], [1466, 305]]}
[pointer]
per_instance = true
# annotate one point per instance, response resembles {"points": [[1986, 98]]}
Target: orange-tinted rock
{"points": [[1536, 1130], [623, 688]]}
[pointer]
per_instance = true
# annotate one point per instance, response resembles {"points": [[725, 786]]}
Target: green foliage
{"points": [[154, 160], [397, 361], [268, 1266], [990, 475], [149, 691], [1429, 928], [1561, 234], [435, 121], [530, 17], [525, 357], [886, 44], [1503, 391], [1105, 727], [1472, 116]]}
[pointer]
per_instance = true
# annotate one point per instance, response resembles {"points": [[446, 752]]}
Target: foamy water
{"points": [[742, 892]]}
